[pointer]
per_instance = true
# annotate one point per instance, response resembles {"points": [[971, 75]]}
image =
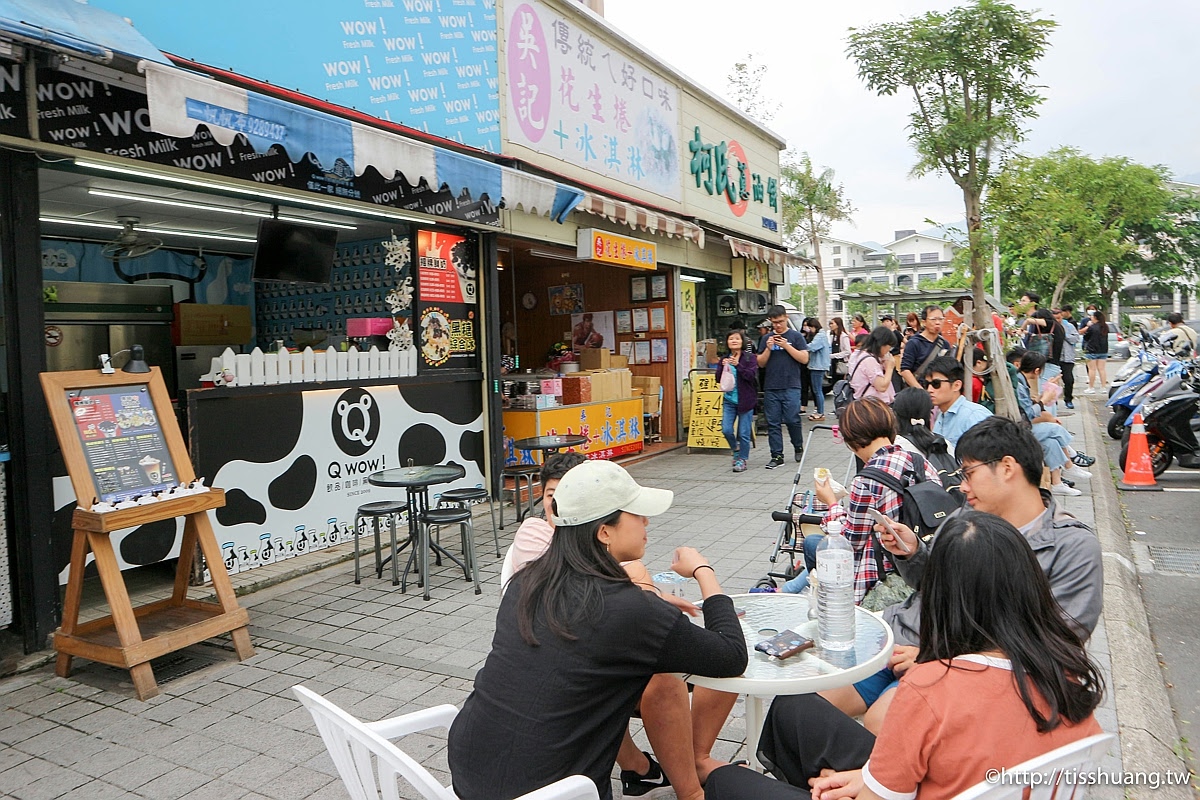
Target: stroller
{"points": [[792, 520]]}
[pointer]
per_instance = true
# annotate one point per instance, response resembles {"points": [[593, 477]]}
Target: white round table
{"points": [[814, 670]]}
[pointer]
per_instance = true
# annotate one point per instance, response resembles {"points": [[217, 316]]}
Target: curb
{"points": [[1145, 722]]}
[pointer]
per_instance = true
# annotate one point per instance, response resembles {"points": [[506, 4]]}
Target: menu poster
{"points": [[445, 268], [122, 441]]}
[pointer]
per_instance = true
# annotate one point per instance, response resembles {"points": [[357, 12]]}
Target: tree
{"points": [[969, 71], [1169, 248], [804, 298], [1067, 216], [810, 203], [745, 81]]}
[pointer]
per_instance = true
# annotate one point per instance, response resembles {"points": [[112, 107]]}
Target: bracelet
{"points": [[702, 566]]}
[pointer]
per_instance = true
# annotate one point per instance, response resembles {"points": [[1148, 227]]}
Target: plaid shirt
{"points": [[869, 493]]}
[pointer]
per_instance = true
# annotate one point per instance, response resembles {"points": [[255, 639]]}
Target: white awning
{"points": [[768, 255], [640, 218]]}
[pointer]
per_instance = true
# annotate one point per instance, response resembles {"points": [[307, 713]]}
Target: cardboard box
{"points": [[594, 358], [211, 324], [636, 391], [650, 403], [624, 381], [618, 362], [708, 347], [576, 389], [603, 386], [552, 386], [544, 401]]}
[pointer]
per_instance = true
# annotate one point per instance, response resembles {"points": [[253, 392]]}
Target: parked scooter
{"points": [[1123, 398], [1167, 413]]}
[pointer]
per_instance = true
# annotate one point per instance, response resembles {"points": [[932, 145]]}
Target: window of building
{"points": [[904, 280], [928, 257], [837, 262], [884, 279], [907, 258], [839, 284], [837, 305], [856, 280], [837, 249], [926, 277]]}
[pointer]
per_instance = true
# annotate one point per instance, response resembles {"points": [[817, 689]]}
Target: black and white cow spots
{"points": [[241, 508], [470, 445], [294, 488], [461, 409], [422, 445], [149, 543]]}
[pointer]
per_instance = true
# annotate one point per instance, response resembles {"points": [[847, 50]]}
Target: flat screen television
{"points": [[293, 253]]}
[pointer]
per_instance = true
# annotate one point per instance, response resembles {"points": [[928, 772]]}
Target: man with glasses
{"points": [[923, 348], [1001, 475], [780, 354], [956, 414]]}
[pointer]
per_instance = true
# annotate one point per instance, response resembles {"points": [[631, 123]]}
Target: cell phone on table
{"points": [[886, 522], [784, 645]]}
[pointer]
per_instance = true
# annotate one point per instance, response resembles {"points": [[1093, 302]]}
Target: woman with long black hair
{"points": [[577, 641], [999, 678]]}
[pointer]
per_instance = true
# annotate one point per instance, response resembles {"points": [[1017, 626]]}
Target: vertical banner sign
{"points": [[704, 431], [446, 289], [427, 64], [575, 98]]}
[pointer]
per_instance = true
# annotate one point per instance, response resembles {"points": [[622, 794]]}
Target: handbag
{"points": [[728, 380], [843, 392]]}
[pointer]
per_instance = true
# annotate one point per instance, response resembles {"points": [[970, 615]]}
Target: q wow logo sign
{"points": [[355, 422]]}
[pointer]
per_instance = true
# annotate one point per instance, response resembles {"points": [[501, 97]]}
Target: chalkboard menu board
{"points": [[122, 441]]}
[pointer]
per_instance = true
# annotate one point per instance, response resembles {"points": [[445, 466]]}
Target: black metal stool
{"points": [[376, 512], [527, 472], [465, 497], [436, 518]]}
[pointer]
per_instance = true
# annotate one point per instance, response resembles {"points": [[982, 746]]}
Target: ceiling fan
{"points": [[130, 243]]}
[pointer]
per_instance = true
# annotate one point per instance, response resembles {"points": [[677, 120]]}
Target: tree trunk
{"points": [[1059, 288], [1002, 388], [822, 314]]}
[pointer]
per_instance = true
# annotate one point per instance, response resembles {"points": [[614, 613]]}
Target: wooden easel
{"points": [[130, 637]]}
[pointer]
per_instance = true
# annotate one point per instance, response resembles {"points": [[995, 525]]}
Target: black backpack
{"points": [[948, 467], [924, 505], [843, 392]]}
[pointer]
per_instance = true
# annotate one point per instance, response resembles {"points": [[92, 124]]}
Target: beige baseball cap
{"points": [[594, 490]]}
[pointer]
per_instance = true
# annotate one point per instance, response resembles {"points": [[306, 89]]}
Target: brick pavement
{"points": [[232, 730]]}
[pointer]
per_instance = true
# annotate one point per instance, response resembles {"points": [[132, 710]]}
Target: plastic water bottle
{"points": [[835, 590]]}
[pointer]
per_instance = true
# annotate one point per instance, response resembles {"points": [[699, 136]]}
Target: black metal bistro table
{"points": [[549, 444], [416, 482]]}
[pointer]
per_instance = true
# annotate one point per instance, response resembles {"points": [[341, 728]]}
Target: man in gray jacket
{"points": [[1002, 471]]}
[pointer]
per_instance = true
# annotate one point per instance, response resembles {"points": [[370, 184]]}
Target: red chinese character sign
{"points": [[446, 318], [575, 98], [445, 268]]}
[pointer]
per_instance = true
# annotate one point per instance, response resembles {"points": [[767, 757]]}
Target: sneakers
{"points": [[1076, 472], [739, 465], [1063, 490], [799, 455], [1089, 390], [1070, 405], [653, 784], [1083, 459], [776, 461]]}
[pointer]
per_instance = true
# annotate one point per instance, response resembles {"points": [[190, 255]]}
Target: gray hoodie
{"points": [[1068, 551]]}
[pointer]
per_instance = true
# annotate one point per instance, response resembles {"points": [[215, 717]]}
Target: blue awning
{"points": [[75, 27]]}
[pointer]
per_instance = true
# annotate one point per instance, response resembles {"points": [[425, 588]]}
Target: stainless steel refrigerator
{"points": [[84, 320]]}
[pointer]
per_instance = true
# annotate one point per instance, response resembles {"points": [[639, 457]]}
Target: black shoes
{"points": [[653, 784], [776, 461]]}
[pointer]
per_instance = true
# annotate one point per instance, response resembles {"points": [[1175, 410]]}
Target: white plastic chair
{"points": [[1042, 776], [352, 743]]}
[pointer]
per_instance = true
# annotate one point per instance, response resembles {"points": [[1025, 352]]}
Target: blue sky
{"points": [[1120, 80]]}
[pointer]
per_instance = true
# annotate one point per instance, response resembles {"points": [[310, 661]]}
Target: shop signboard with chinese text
{"points": [[615, 249], [447, 318], [704, 429], [730, 170], [613, 429], [573, 97], [428, 64]]}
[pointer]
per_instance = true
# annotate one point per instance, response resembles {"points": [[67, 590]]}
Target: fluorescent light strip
{"points": [[219, 209], [692, 279], [255, 193], [220, 237]]}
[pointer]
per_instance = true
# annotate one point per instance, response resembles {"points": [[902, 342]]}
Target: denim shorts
{"points": [[1095, 356], [870, 689]]}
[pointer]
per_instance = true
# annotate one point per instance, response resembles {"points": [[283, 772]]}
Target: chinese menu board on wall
{"points": [[447, 316], [574, 98], [122, 441]]}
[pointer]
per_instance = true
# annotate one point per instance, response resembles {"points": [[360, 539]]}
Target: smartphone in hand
{"points": [[886, 522]]}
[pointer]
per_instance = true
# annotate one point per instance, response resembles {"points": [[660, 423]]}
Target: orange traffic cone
{"points": [[1139, 471]]}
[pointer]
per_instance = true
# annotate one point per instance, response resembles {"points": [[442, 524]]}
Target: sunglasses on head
{"points": [[938, 382]]}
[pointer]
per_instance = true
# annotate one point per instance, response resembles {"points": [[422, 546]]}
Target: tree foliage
{"points": [[810, 203], [969, 71], [745, 80], [1066, 217]]}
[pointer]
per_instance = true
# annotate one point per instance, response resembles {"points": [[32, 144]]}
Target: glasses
{"points": [[935, 319], [966, 471], [938, 383]]}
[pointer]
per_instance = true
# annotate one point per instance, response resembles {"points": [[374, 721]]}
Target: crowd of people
{"points": [[996, 602]]}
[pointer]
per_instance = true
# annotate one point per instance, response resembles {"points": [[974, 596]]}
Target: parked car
{"points": [[1118, 346]]}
